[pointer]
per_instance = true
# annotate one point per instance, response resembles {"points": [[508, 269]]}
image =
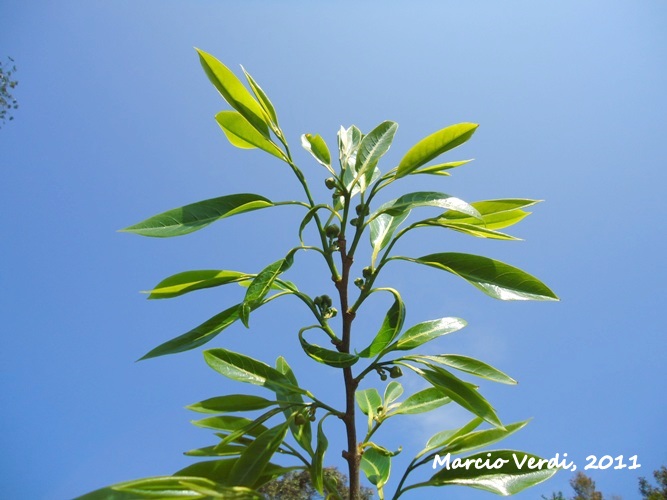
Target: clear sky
{"points": [[116, 123]]}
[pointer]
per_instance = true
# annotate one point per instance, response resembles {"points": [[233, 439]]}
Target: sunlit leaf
{"points": [[188, 281], [317, 470], [442, 438], [440, 169], [425, 199], [427, 331], [231, 403], [243, 135], [469, 365], [434, 145], [372, 147], [391, 326], [422, 402], [482, 438], [316, 146], [190, 218], [376, 466], [252, 462], [392, 392], [262, 98]]}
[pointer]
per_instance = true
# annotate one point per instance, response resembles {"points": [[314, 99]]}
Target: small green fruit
{"points": [[330, 183], [367, 272], [332, 231], [354, 222], [395, 372]]}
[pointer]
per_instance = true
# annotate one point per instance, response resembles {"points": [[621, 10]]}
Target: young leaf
{"points": [[369, 401], [425, 199], [302, 433], [317, 470], [391, 326], [316, 146], [234, 92], [421, 402], [372, 147], [377, 467], [243, 135], [197, 336], [511, 478], [231, 403], [327, 356], [494, 278], [441, 168], [425, 332], [471, 229], [434, 145], [245, 369], [392, 392], [252, 462], [383, 228], [190, 218], [188, 281], [262, 98]]}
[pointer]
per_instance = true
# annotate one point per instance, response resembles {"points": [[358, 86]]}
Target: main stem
{"points": [[352, 454]]}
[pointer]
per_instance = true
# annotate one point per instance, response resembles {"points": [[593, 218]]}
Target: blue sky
{"points": [[116, 124]]}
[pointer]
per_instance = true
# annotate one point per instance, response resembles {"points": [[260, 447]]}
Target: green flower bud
{"points": [[317, 301], [359, 282], [367, 272], [330, 183], [354, 222], [359, 209], [395, 372], [332, 231], [383, 376]]}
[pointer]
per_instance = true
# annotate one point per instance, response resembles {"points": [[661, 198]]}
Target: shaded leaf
{"points": [[317, 470], [434, 145], [190, 218], [252, 462], [327, 356], [470, 229], [440, 169], [422, 401], [442, 438], [495, 278], [217, 451], [231, 403], [198, 335], [302, 433]]}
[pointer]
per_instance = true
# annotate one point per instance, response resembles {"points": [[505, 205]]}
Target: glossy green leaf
{"points": [[188, 281], [494, 278], [440, 169], [383, 228], [469, 365], [422, 402], [217, 451], [243, 135], [262, 284], [512, 477], [425, 199], [510, 207], [246, 369], [392, 392], [198, 335], [470, 229], [253, 461], [316, 146], [232, 424], [482, 438], [328, 356], [190, 218], [234, 92], [317, 468], [231, 403], [369, 401], [391, 326], [302, 433], [461, 393], [434, 145], [372, 147], [376, 466], [263, 100], [425, 332]]}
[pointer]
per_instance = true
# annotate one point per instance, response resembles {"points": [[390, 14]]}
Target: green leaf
{"points": [[392, 392], [441, 168], [316, 146], [317, 470], [470, 365], [434, 145], [262, 98], [217, 451], [442, 438], [327, 356], [383, 228], [511, 478], [198, 335], [470, 229], [425, 199], [462, 394], [190, 218], [494, 278], [372, 147], [425, 332], [234, 92], [231, 403], [243, 135], [220, 471], [376, 466], [188, 281], [252, 462], [369, 401], [421, 402], [496, 214], [245, 369], [482, 438], [262, 284], [233, 424], [302, 433], [391, 326]]}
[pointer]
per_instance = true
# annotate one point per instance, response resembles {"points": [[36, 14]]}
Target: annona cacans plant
{"points": [[291, 420]]}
